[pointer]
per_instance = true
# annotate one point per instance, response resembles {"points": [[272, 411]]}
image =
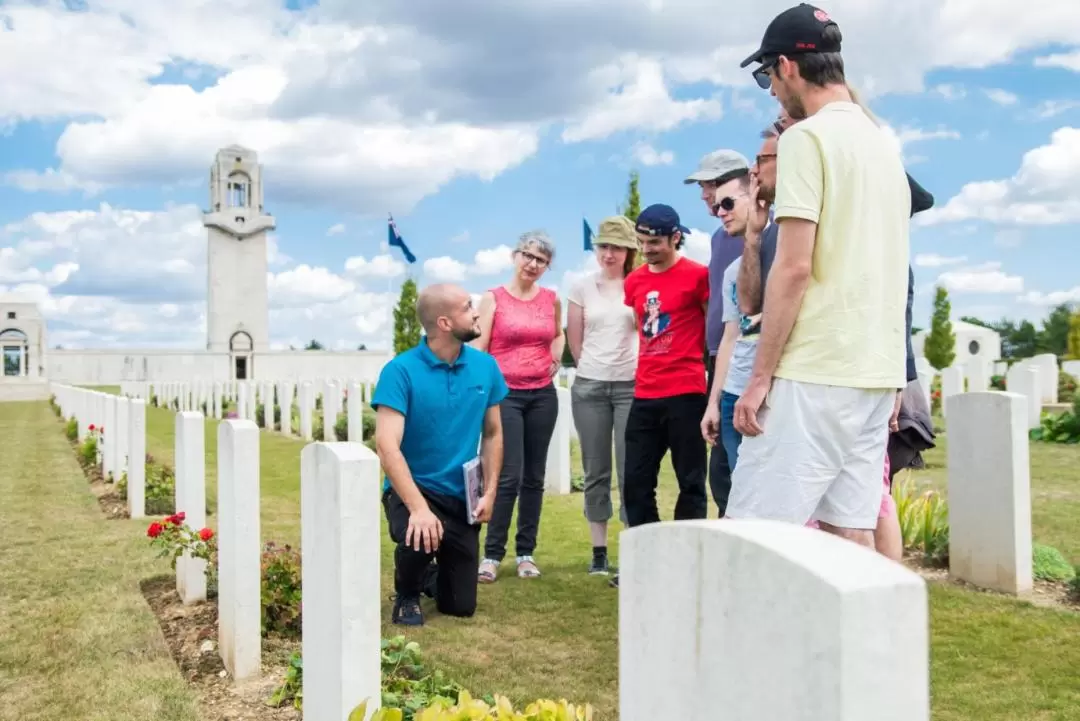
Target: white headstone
{"points": [[1000, 368], [109, 459], [952, 383], [242, 402], [926, 381], [239, 549], [978, 375], [285, 400], [923, 366], [1048, 375], [190, 453], [1024, 379], [990, 491], [557, 473], [329, 412], [252, 400], [340, 517], [354, 406], [218, 392], [136, 480], [771, 621], [306, 403]]}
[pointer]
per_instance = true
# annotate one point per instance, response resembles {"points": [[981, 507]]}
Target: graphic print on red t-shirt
{"points": [[670, 311]]}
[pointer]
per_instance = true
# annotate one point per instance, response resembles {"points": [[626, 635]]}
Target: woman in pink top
{"points": [[520, 325]]}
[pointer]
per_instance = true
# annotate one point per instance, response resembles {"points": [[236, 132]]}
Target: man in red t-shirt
{"points": [[670, 299]]}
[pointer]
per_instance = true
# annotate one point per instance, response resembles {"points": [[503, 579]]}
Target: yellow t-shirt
{"points": [[839, 170]]}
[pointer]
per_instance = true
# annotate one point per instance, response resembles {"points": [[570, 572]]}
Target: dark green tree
{"points": [[1073, 346], [1054, 336], [314, 345], [940, 346], [406, 322], [567, 356], [632, 208]]}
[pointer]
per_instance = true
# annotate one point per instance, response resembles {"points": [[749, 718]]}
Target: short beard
{"points": [[767, 194], [795, 108], [466, 336]]}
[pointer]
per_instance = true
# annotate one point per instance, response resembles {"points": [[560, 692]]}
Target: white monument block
{"points": [[557, 472], [108, 438], [771, 621], [354, 406], [190, 453], [136, 479], [990, 491], [239, 549], [926, 381], [306, 403], [329, 413], [978, 375], [340, 515], [1024, 379], [1048, 375], [952, 383]]}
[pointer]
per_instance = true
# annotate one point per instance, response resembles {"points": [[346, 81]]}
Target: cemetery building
{"points": [[22, 340], [237, 308], [973, 342]]}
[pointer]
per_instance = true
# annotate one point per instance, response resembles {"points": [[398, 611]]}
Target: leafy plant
{"points": [[924, 521], [292, 686], [940, 345], [71, 430], [341, 427], [1066, 387], [1048, 564], [997, 383], [281, 591], [469, 709], [159, 492], [173, 537], [1060, 427]]}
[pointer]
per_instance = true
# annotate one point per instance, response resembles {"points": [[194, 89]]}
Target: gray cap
{"points": [[725, 164]]}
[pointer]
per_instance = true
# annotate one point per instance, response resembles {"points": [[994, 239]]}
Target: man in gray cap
{"points": [[715, 169]]}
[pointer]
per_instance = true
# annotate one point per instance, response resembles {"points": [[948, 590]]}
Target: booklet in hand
{"points": [[474, 486]]}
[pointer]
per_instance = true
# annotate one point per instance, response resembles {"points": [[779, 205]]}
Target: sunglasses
{"points": [[761, 74], [726, 204]]}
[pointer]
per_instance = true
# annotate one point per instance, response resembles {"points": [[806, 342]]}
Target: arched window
{"points": [[12, 335], [973, 347], [239, 190], [240, 342]]}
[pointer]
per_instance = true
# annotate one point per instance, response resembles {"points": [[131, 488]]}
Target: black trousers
{"points": [[655, 426], [528, 421], [719, 468], [458, 555]]}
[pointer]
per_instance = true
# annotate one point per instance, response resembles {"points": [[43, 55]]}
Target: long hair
{"points": [[858, 101], [630, 263]]}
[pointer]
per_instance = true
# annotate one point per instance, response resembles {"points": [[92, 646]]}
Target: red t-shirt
{"points": [[670, 309]]}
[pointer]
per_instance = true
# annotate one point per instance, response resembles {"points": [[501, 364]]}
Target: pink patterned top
{"points": [[521, 335]]}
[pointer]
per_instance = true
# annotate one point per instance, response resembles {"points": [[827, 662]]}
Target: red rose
{"points": [[154, 530], [90, 427], [180, 517], [206, 534], [101, 430]]}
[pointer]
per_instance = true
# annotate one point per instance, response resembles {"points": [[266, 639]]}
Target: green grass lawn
{"points": [[993, 659]]}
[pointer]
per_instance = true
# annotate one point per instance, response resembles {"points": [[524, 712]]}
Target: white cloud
{"points": [[698, 246], [933, 260], [1057, 297], [380, 266], [985, 278], [336, 229], [1069, 61], [949, 92], [1052, 108], [115, 277], [1002, 97], [491, 261], [1041, 192], [647, 155], [906, 136]]}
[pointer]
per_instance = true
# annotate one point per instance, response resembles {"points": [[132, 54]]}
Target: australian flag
{"points": [[587, 234], [395, 240]]}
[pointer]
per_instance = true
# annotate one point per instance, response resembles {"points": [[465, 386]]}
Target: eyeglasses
{"points": [[530, 258], [763, 156]]}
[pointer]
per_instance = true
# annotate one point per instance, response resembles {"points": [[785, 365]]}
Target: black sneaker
{"points": [[599, 566], [407, 611], [614, 583]]}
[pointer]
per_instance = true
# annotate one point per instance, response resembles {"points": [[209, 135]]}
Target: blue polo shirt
{"points": [[444, 406]]}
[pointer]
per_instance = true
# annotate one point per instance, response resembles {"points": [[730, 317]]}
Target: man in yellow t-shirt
{"points": [[830, 360]]}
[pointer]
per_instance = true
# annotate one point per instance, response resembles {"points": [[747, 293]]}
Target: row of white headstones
{"points": [[775, 620], [1034, 378]]}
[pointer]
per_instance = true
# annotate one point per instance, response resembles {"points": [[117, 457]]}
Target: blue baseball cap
{"points": [[660, 220]]}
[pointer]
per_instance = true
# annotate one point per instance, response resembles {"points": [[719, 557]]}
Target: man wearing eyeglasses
{"points": [[815, 413], [714, 170]]}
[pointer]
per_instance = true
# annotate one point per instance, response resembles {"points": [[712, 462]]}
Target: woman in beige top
{"points": [[603, 340]]}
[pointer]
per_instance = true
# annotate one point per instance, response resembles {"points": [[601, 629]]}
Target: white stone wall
{"points": [[110, 367], [237, 292]]}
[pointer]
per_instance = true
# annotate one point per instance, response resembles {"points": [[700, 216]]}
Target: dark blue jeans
{"points": [[730, 437]]}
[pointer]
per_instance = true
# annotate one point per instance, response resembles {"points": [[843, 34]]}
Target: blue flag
{"points": [[588, 234], [394, 238]]}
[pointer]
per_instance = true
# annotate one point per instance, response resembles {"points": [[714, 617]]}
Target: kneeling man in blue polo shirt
{"points": [[435, 404]]}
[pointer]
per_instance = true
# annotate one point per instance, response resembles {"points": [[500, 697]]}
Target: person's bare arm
{"points": [[487, 319], [424, 527], [723, 360], [788, 280], [558, 344], [575, 329], [748, 284], [491, 450]]}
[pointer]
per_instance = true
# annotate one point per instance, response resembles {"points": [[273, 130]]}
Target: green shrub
{"points": [[1048, 564], [341, 427], [281, 593], [1074, 586], [1060, 427], [924, 522], [997, 383], [71, 430], [316, 426], [1066, 387]]}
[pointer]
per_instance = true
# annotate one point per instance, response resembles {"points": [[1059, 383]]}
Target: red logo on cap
{"points": [[821, 15]]}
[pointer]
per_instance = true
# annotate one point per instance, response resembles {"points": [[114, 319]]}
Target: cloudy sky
{"points": [[473, 121]]}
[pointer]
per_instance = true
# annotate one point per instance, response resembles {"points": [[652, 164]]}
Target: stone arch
{"points": [[15, 352], [238, 190], [240, 342]]}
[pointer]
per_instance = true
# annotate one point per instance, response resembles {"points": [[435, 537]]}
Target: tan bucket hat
{"points": [[617, 230]]}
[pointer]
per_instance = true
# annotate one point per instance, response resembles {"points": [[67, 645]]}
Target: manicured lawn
{"points": [[77, 640], [993, 659]]}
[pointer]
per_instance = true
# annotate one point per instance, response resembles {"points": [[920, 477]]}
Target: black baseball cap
{"points": [[660, 220], [796, 31]]}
